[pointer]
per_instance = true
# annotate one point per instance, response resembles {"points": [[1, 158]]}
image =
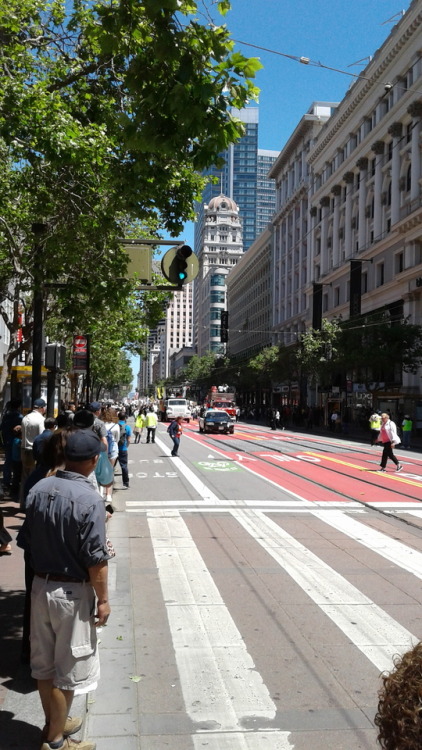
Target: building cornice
{"points": [[341, 117], [286, 208]]}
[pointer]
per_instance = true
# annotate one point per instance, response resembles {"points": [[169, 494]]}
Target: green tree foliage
{"points": [[109, 368], [318, 350], [200, 370], [107, 109], [378, 347]]}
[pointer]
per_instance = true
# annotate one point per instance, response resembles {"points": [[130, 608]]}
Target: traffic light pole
{"points": [[158, 288]]}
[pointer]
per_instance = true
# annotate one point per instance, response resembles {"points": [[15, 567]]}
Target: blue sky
{"points": [[335, 33]]}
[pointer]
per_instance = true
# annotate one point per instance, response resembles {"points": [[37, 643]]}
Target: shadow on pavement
{"points": [[15, 733]]}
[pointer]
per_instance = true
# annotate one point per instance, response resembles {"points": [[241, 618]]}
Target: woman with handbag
{"points": [[389, 438]]}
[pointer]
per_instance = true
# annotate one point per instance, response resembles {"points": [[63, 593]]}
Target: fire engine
{"points": [[222, 397]]}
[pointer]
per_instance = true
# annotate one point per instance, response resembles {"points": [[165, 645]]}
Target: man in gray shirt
{"points": [[64, 533]]}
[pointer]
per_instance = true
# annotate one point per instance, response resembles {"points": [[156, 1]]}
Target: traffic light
{"points": [[224, 330], [180, 265], [181, 259]]}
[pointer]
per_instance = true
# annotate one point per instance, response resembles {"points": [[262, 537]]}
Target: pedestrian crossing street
{"points": [[354, 573]]}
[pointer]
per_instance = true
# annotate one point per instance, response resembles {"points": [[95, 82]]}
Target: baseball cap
{"points": [[39, 402], [94, 406], [82, 445], [83, 418]]}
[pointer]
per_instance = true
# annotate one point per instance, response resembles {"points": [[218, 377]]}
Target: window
{"points": [[336, 296], [379, 273], [399, 262], [219, 297], [218, 279], [409, 178]]}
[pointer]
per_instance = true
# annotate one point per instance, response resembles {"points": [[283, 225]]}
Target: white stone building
{"points": [[365, 196], [249, 299], [292, 267], [178, 327], [220, 249]]}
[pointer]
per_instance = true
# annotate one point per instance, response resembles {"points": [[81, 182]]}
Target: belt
{"points": [[54, 577]]}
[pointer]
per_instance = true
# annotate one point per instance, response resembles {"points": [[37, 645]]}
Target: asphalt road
{"points": [[273, 576]]}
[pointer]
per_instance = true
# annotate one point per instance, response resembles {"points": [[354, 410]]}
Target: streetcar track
{"points": [[321, 485]]}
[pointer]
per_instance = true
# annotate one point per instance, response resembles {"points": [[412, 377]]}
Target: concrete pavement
{"points": [[110, 713]]}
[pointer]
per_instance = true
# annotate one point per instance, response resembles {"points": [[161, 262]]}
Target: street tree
{"points": [[200, 370], [317, 351], [107, 111], [378, 347]]}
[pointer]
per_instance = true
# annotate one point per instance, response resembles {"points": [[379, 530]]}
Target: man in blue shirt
{"points": [[64, 534], [123, 444]]}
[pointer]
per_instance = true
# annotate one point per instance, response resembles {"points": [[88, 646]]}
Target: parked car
{"points": [[216, 421]]}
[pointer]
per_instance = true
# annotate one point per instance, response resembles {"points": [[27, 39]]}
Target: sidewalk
{"points": [[111, 712]]}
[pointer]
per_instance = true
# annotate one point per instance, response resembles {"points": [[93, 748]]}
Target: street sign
{"points": [[79, 343], [80, 354], [140, 262]]}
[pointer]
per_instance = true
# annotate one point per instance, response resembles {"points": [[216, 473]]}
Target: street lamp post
{"points": [[39, 230]]}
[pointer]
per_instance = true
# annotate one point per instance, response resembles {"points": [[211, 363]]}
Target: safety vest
{"points": [[375, 422], [151, 419], [407, 425]]}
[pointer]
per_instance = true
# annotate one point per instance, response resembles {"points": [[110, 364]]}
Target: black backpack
{"points": [[122, 438]]}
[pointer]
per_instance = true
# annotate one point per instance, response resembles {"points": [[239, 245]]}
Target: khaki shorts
{"points": [[63, 634]]}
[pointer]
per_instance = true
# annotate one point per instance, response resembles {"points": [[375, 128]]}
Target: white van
{"points": [[176, 407]]}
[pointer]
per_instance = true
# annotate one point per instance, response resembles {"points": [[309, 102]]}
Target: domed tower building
{"points": [[220, 249]]}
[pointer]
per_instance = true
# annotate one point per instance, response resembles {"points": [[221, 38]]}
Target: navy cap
{"points": [[83, 418], [39, 402], [82, 445], [94, 406]]}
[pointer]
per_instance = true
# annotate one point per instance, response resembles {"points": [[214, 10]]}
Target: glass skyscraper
{"points": [[243, 178]]}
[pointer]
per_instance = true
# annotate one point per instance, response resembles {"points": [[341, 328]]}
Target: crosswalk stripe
{"points": [[391, 549], [367, 626], [220, 684]]}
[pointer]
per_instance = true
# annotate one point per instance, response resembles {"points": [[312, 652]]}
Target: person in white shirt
{"points": [[32, 425], [389, 438]]}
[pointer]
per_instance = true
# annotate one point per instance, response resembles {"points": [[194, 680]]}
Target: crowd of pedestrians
{"points": [[62, 472]]}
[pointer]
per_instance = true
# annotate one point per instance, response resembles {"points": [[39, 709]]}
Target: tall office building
{"points": [[220, 250], [265, 190], [243, 178]]}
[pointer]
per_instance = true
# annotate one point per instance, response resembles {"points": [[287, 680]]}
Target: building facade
{"points": [[249, 300], [366, 199], [178, 327], [265, 190], [243, 178], [220, 249], [291, 266]]}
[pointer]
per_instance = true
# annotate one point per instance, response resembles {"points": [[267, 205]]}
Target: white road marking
{"points": [[220, 684], [398, 553], [377, 635], [196, 483]]}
